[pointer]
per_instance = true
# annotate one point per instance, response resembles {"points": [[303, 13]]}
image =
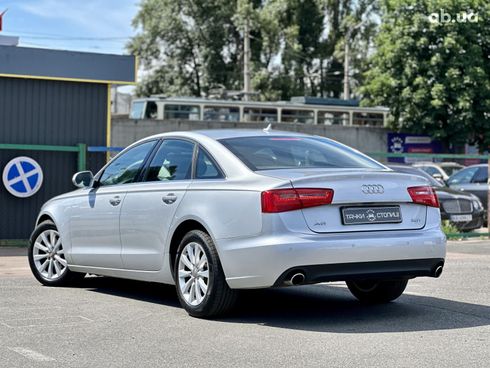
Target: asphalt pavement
{"points": [[105, 322]]}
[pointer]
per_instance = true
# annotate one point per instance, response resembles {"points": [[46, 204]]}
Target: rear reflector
{"points": [[424, 195], [282, 200]]}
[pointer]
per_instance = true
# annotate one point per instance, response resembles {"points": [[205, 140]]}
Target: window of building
{"points": [[182, 112]]}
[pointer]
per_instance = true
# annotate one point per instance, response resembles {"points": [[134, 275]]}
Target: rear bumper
{"points": [[409, 268], [260, 262]]}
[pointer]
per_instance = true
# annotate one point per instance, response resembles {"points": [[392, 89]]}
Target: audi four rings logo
{"points": [[372, 189]]}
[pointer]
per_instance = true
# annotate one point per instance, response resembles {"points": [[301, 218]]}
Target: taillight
{"points": [[282, 200], [424, 195]]}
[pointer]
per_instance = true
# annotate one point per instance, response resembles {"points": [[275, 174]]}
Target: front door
{"points": [[95, 228], [95, 214]]}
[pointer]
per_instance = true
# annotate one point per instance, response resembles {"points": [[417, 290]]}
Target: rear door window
{"points": [[205, 167], [173, 161]]}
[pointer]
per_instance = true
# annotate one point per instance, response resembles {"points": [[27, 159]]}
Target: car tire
{"points": [[46, 257], [377, 291], [201, 285]]}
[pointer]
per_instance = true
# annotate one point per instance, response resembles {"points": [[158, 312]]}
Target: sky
{"points": [[82, 25]]}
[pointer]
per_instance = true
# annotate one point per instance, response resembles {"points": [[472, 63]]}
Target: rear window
{"points": [[269, 153]]}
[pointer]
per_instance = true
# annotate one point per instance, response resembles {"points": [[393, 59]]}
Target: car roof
{"points": [[240, 133], [477, 165], [217, 134], [448, 164]]}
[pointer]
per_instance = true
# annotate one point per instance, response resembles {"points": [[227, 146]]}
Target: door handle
{"points": [[115, 201], [169, 198]]}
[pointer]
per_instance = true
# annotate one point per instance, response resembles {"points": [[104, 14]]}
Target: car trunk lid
{"points": [[364, 200]]}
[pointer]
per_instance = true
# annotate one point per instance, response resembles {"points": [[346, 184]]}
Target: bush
{"points": [[449, 228]]}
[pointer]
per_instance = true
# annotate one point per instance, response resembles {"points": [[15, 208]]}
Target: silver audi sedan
{"points": [[217, 211]]}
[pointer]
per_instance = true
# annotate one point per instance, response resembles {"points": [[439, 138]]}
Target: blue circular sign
{"points": [[22, 177]]}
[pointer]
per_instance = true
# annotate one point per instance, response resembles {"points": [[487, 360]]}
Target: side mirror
{"points": [[83, 179]]}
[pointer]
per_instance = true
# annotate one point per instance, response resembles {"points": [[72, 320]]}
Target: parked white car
{"points": [[440, 171], [218, 211]]}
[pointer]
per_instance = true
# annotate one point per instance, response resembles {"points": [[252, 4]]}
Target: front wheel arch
{"points": [[43, 218]]}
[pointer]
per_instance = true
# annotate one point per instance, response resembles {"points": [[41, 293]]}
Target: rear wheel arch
{"points": [[179, 233]]}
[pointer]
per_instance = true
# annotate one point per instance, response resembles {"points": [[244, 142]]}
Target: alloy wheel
{"points": [[48, 255], [193, 274]]}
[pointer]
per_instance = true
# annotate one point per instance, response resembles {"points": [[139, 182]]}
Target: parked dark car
{"points": [[472, 179], [464, 210]]}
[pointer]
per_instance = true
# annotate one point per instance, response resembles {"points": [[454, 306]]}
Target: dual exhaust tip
{"points": [[438, 270], [296, 278]]}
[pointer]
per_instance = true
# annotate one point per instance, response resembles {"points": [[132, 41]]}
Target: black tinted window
{"points": [[266, 153], [124, 168], [205, 167], [173, 161]]}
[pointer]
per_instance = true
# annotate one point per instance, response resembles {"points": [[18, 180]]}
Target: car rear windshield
{"points": [[276, 152]]}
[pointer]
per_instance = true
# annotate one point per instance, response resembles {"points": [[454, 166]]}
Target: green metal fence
{"points": [[80, 149]]}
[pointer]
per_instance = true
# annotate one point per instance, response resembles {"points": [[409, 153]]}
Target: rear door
{"points": [[149, 208]]}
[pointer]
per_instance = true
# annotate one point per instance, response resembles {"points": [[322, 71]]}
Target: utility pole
{"points": [[348, 34], [246, 60], [346, 64]]}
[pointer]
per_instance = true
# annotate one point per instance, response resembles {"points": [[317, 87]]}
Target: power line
{"points": [[101, 39], [51, 36], [91, 47]]}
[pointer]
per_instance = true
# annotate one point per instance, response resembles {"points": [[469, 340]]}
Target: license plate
{"points": [[461, 218], [371, 215]]}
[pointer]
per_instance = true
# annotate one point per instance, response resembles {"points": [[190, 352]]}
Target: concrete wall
{"points": [[366, 139]]}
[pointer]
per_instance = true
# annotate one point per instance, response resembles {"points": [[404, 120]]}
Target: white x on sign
{"points": [[22, 177]]}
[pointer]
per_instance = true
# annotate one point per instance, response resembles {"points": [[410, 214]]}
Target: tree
{"points": [[308, 38], [432, 73], [187, 47]]}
